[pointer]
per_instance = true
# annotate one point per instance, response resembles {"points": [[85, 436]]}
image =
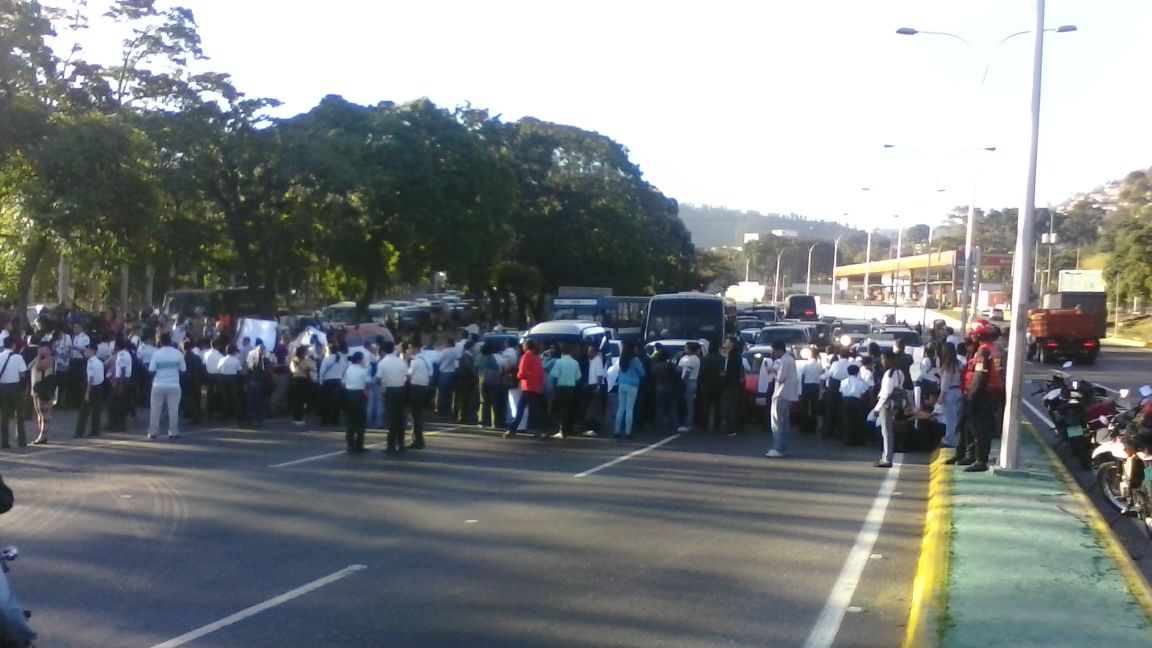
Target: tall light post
{"points": [[808, 280], [835, 260], [966, 296], [776, 283], [1021, 286], [896, 275]]}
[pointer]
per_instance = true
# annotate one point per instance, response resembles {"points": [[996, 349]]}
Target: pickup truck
{"points": [[1055, 333]]}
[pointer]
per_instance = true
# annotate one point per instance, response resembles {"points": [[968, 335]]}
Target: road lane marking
{"points": [[260, 607], [1041, 415], [337, 453], [840, 598], [630, 455]]}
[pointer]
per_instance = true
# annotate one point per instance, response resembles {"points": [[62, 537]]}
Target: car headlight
{"points": [[846, 340]]}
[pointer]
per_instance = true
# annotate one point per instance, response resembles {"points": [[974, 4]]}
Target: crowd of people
{"points": [[185, 372], [864, 394]]}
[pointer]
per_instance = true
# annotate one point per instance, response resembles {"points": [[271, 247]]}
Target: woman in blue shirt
{"points": [[628, 386]]}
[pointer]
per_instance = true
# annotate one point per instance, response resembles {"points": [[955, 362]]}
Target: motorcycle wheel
{"points": [[1108, 478], [1144, 509]]}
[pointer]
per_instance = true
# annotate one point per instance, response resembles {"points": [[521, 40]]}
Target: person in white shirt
{"points": [[593, 403], [77, 366], [419, 379], [689, 368], [331, 373], [212, 357], [119, 401], [228, 384], [166, 365], [259, 376], [446, 386], [392, 372], [510, 356], [355, 383], [853, 392], [13, 369], [787, 391], [887, 405], [811, 374], [837, 373], [104, 350], [866, 373], [93, 397]]}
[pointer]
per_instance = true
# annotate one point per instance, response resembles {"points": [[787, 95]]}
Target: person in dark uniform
{"points": [[983, 387], [192, 384]]}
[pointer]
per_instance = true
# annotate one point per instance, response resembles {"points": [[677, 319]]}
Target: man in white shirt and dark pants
{"points": [[787, 391], [356, 402], [392, 372], [331, 384], [689, 368], [811, 373], [419, 378], [446, 387], [853, 391], [12, 392], [166, 365], [76, 364], [92, 399]]}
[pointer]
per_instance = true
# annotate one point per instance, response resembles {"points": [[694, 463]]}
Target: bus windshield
{"points": [[686, 318]]}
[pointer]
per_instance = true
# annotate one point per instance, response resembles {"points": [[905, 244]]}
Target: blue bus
{"points": [[624, 316], [686, 317]]}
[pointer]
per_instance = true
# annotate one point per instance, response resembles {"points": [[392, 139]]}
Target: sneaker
{"points": [[297, 422], [508, 434], [978, 466], [173, 436], [774, 454], [681, 429], [149, 436], [883, 464], [590, 433], [558, 435]]}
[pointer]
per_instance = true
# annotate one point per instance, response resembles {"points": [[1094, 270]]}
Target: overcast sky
{"points": [[767, 105]]}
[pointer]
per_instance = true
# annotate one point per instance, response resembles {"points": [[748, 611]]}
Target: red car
{"points": [[753, 359]]}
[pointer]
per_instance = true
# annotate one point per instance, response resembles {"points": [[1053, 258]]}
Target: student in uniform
{"points": [[92, 401], [13, 370], [356, 379]]}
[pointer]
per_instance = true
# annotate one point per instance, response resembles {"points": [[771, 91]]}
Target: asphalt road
{"points": [[475, 541], [1116, 368]]}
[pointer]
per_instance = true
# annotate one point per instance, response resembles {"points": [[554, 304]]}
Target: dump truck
{"points": [[1068, 333]]}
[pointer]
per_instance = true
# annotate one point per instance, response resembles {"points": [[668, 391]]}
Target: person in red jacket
{"points": [[531, 375]]}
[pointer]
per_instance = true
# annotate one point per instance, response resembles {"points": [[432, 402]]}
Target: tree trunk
{"points": [[371, 276], [37, 248]]}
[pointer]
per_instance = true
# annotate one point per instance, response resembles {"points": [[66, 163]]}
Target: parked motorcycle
{"points": [[14, 629], [1068, 400], [1122, 459]]}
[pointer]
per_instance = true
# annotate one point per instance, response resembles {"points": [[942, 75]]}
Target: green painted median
{"points": [[1029, 566]]}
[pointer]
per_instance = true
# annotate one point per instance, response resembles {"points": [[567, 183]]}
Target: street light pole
{"points": [[1021, 288], [927, 279], [835, 260], [1051, 244], [776, 283], [967, 297], [896, 275], [808, 280]]}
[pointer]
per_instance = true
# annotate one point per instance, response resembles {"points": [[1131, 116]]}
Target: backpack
{"points": [[898, 400], [493, 376], [466, 371]]}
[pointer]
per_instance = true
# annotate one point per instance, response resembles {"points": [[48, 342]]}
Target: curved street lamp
{"points": [[966, 297]]}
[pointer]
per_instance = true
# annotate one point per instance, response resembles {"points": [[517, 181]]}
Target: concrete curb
{"points": [[1138, 586], [1125, 342], [927, 616]]}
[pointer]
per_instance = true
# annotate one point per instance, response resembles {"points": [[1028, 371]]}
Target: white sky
{"points": [[771, 105]]}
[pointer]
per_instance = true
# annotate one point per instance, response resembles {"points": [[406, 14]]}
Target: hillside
{"points": [[718, 226]]}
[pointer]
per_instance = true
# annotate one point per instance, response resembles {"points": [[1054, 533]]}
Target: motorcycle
{"points": [[1072, 404], [1121, 460], [14, 629]]}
